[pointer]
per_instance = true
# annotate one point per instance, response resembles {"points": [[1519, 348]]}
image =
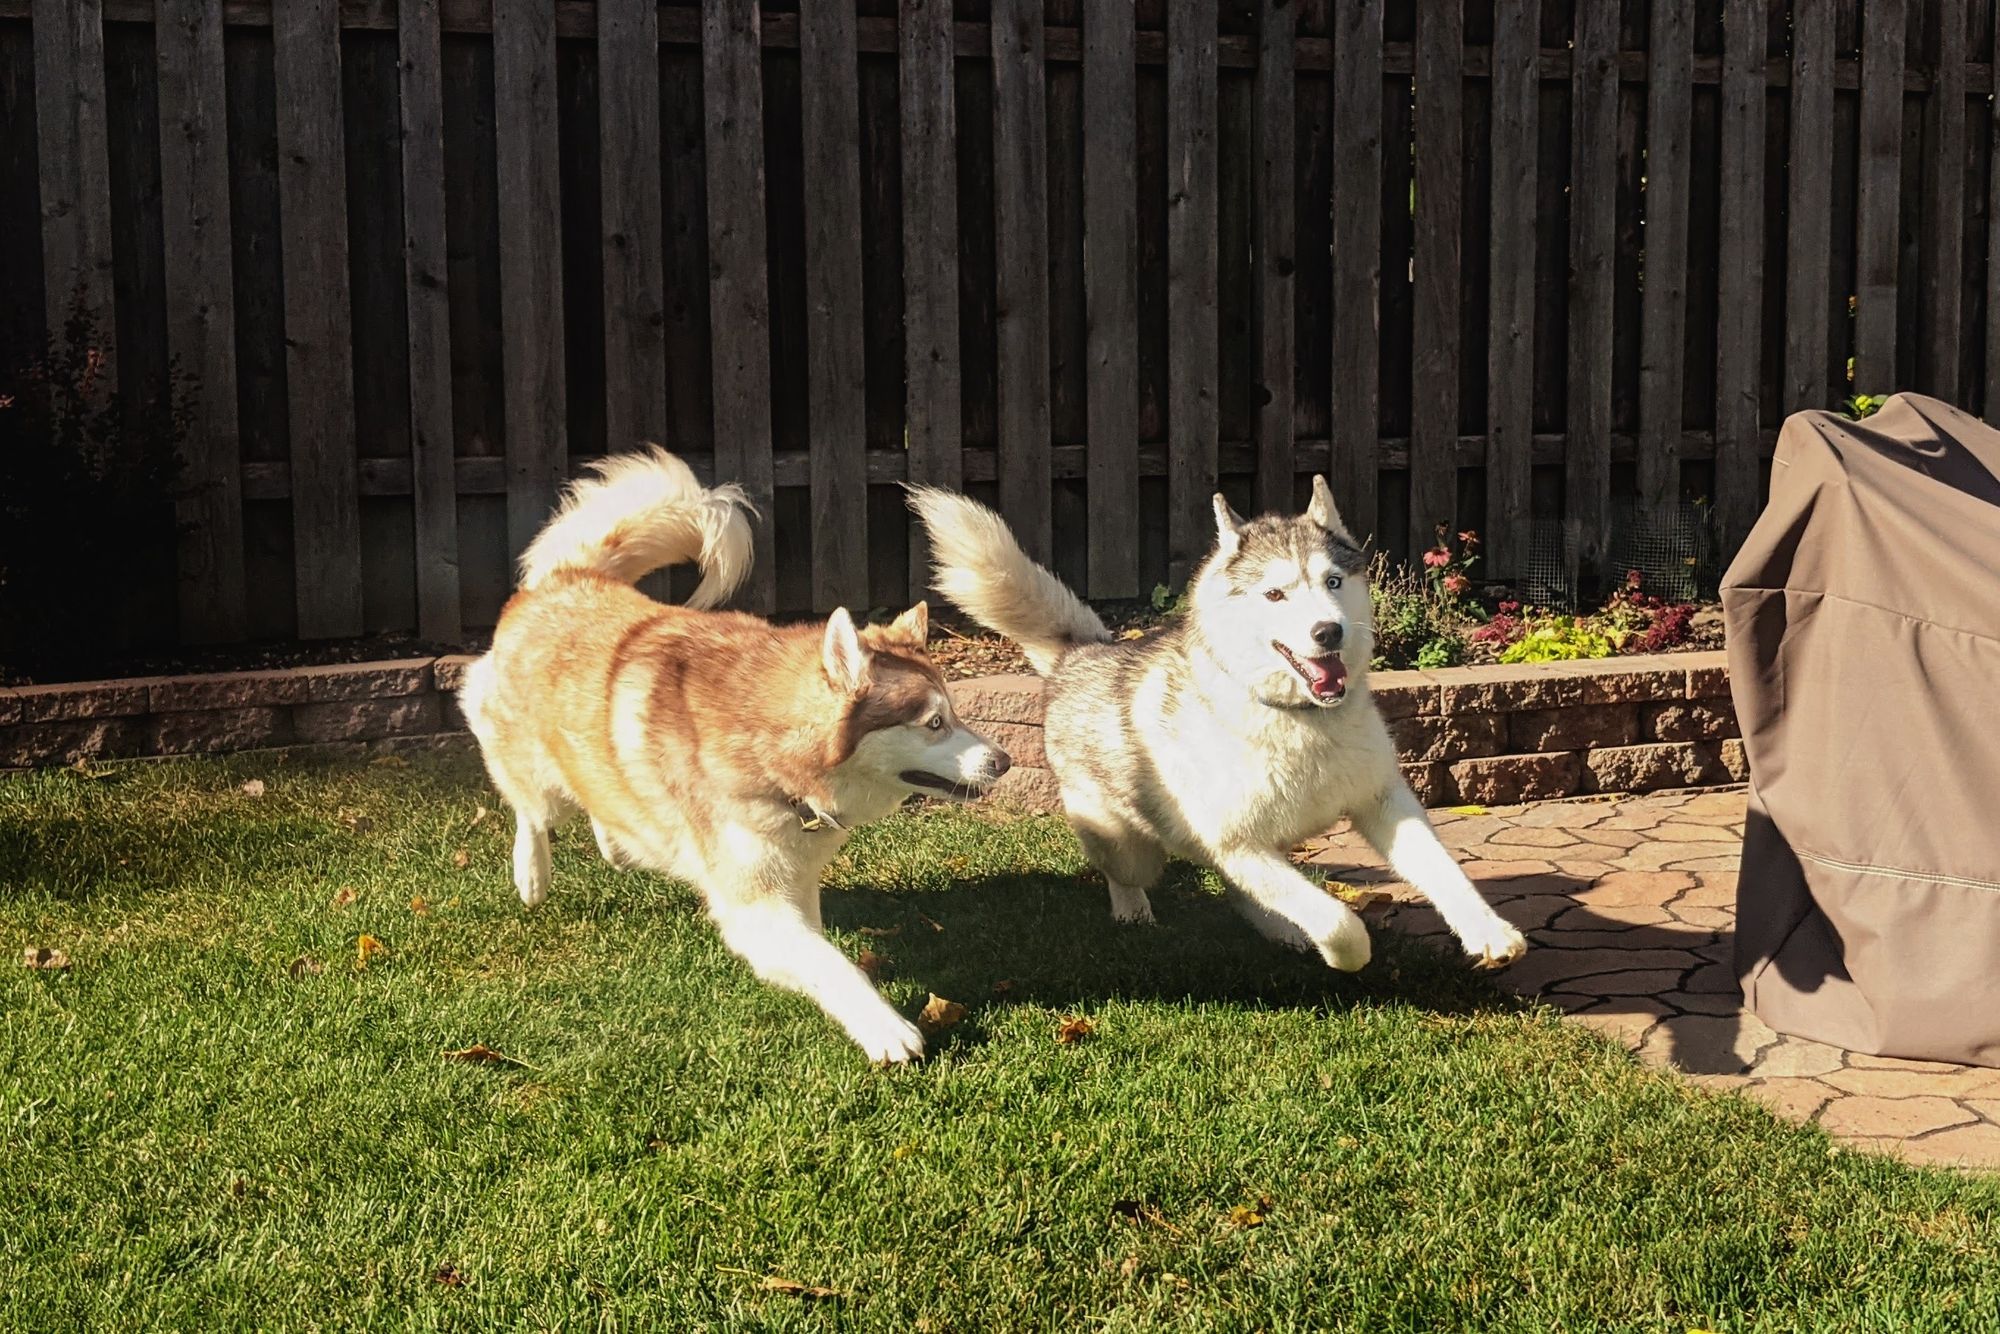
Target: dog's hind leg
{"points": [[606, 845], [535, 812], [532, 867], [1276, 889], [1130, 861], [1398, 828]]}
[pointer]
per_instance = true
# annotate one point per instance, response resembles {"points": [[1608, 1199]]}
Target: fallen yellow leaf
{"points": [[306, 966], [479, 814], [1242, 1215], [1075, 1029], [344, 896], [935, 926], [253, 788], [871, 963], [939, 1015], [45, 959], [419, 907], [878, 932], [772, 1283], [366, 948], [461, 859], [1003, 987], [1466, 810]]}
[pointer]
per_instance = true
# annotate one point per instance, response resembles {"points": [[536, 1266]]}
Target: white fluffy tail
{"points": [[982, 569], [643, 511]]}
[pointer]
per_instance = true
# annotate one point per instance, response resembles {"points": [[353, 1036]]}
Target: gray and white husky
{"points": [[1241, 729]]}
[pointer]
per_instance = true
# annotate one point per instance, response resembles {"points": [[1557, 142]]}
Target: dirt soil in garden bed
{"points": [[964, 650], [961, 649], [262, 657]]}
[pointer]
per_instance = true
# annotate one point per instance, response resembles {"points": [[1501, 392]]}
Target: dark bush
{"points": [[86, 505]]}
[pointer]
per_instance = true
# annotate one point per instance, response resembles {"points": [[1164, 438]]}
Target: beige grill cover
{"points": [[1864, 657]]}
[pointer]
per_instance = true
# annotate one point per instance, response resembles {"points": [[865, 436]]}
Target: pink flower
{"points": [[1510, 607], [1437, 558], [1455, 584], [1469, 538]]}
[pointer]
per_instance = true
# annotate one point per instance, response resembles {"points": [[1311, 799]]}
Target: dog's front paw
{"points": [[1346, 946], [1130, 907], [889, 1040], [1494, 943]]}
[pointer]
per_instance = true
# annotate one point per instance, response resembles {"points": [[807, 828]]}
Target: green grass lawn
{"points": [[193, 1132]]}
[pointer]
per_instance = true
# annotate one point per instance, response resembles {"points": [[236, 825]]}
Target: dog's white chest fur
{"points": [[1241, 771]]}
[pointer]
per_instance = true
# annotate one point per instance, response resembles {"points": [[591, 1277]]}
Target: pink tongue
{"points": [[1324, 676]]}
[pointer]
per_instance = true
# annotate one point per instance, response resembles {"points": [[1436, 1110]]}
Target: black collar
{"points": [[812, 817]]}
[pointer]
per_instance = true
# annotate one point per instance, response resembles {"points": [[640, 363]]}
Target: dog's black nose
{"points": [[1328, 635], [999, 764]]}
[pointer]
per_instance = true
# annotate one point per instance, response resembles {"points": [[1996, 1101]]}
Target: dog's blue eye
{"points": [[1274, 595], [935, 722], [1333, 581]]}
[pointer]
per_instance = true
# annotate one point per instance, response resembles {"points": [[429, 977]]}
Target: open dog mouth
{"points": [[1325, 678], [942, 786]]}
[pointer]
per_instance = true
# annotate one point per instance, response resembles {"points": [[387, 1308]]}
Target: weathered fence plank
{"points": [[930, 259], [1510, 344], [531, 302], [75, 170], [836, 369], [201, 315], [1434, 345], [635, 342], [1021, 247], [1943, 250], [1739, 275], [739, 287], [1809, 194], [1273, 192], [1880, 186], [1357, 259], [1111, 284], [312, 191], [1592, 216], [426, 274], [1663, 319], [1191, 287]]}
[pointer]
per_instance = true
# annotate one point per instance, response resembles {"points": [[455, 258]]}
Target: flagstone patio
{"points": [[1629, 904]]}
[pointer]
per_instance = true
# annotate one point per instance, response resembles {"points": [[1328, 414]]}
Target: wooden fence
{"points": [[1483, 262]]}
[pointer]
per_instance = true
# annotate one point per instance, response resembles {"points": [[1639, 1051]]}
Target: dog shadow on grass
{"points": [[1049, 940]]}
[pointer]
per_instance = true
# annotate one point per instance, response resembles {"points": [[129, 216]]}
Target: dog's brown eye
{"points": [[935, 722], [1274, 595]]}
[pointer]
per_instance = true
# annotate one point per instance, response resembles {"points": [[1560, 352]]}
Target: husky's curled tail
{"points": [[983, 570], [643, 511]]}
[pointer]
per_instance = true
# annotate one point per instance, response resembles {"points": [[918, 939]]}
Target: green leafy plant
{"points": [[1863, 405], [1424, 614], [1559, 639]]}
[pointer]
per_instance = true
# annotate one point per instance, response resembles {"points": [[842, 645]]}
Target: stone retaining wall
{"points": [[1490, 735], [1484, 735], [385, 704]]}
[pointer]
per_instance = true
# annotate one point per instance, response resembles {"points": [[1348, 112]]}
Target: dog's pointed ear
{"points": [[1322, 512], [841, 654], [913, 626], [1227, 525]]}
